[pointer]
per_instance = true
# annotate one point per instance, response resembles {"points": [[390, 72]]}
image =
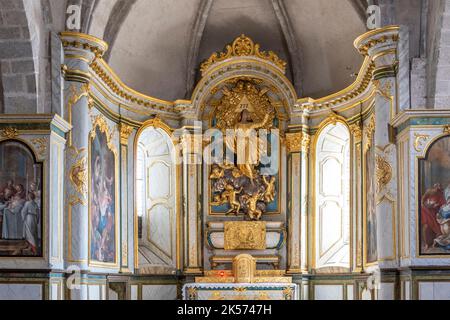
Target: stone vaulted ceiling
{"points": [[157, 46]]}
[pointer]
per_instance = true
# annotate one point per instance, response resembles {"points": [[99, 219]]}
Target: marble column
{"points": [[192, 198], [80, 51], [297, 145], [381, 46]]}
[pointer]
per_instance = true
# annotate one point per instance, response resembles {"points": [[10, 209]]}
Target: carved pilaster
{"points": [[297, 145], [80, 51], [191, 145], [381, 46]]}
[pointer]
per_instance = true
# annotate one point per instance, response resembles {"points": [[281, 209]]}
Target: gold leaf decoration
{"points": [[10, 133], [383, 172], [41, 145], [79, 176], [242, 46]]}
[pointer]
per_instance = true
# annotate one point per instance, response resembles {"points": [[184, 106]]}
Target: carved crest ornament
{"points": [[238, 183], [243, 46]]}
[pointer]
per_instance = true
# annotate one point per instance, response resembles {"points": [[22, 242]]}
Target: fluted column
{"points": [[192, 199], [381, 46], [80, 51]]}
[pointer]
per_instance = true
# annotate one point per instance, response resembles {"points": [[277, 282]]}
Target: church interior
{"points": [[224, 150]]}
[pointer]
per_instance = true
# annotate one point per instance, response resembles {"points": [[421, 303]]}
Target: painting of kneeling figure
{"points": [[20, 201], [434, 182]]}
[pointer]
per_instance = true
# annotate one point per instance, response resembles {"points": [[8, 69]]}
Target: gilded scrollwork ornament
{"points": [[243, 46], [9, 133], [383, 172], [419, 141], [78, 175], [41, 145], [369, 132]]}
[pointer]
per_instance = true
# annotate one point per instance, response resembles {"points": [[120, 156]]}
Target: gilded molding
{"points": [[360, 85], [242, 46], [105, 74], [376, 37], [83, 41]]}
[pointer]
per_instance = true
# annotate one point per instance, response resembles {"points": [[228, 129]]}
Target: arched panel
{"points": [[332, 221], [156, 197]]}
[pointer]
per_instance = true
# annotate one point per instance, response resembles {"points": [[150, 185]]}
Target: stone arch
{"points": [[17, 59]]}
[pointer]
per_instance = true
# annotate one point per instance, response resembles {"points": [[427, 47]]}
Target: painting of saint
{"points": [[20, 201], [371, 218], [102, 200], [434, 207]]}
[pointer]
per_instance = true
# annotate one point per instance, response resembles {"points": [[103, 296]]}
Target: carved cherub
{"points": [[231, 194], [269, 194], [252, 202], [217, 172], [228, 196]]}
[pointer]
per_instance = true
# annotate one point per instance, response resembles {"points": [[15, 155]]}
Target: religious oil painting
{"points": [[102, 199], [434, 207], [370, 214], [21, 219]]}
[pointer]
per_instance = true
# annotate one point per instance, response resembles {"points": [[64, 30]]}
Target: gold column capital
{"points": [[356, 131], [297, 142], [125, 132], [294, 142]]}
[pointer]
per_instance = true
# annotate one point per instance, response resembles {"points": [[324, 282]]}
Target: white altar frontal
{"points": [[244, 282], [243, 291]]}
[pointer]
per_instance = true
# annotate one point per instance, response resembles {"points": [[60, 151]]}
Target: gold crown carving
{"points": [[243, 46]]}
